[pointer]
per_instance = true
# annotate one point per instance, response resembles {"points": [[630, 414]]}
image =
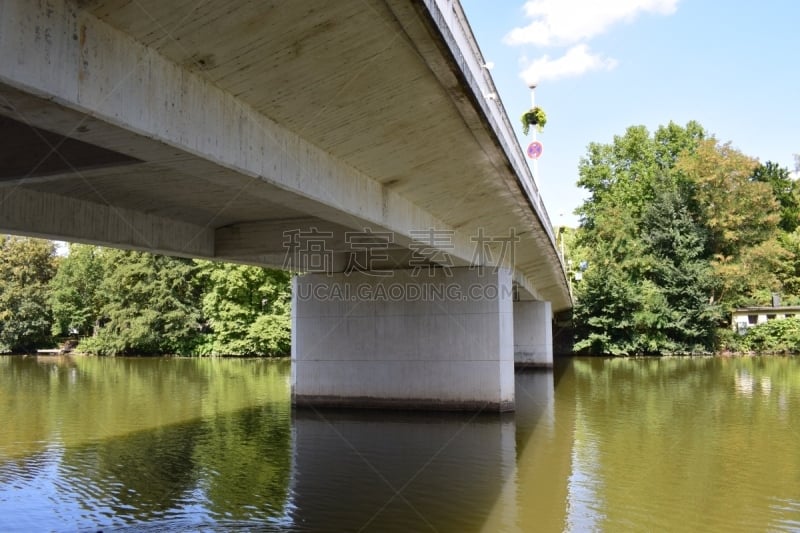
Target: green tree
{"points": [[74, 292], [785, 190], [26, 267], [151, 305], [741, 215], [676, 244], [247, 309], [629, 300], [673, 141], [789, 270], [752, 276], [605, 310], [677, 229], [737, 211], [617, 176]]}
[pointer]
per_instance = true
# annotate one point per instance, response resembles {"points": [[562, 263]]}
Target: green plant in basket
{"points": [[533, 117]]}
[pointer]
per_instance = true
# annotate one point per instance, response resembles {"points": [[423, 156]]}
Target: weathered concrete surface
{"points": [[533, 334], [371, 341], [229, 118]]}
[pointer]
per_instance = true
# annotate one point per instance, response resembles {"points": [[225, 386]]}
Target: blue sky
{"points": [[603, 66]]}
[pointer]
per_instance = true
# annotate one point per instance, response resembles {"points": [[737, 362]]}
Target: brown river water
{"points": [[140, 444]]}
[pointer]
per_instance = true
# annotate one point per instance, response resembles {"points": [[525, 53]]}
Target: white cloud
{"points": [[575, 62], [565, 22]]}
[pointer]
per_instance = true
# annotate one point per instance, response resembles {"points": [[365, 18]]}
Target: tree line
{"points": [[121, 302], [678, 229]]}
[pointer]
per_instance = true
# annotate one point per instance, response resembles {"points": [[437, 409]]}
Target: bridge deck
{"points": [[208, 129]]}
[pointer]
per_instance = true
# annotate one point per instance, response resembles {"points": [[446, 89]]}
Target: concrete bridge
{"points": [[360, 141]]}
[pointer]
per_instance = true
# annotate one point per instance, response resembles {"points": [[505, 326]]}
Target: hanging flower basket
{"points": [[533, 117]]}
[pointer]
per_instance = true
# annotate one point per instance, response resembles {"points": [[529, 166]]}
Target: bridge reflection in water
{"points": [[415, 471], [209, 443]]}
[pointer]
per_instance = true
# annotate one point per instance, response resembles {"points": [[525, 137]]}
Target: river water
{"points": [[672, 444]]}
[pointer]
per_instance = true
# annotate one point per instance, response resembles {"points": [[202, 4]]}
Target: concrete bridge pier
{"points": [[533, 334], [417, 339]]}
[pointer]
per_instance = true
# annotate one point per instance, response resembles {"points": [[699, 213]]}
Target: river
{"points": [[169, 444]]}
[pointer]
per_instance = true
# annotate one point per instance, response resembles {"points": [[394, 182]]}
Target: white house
{"points": [[746, 317]]}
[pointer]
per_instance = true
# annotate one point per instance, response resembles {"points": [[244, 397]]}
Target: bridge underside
{"points": [[268, 133]]}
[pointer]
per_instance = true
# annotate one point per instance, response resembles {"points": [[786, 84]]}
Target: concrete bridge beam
{"points": [[41, 214]]}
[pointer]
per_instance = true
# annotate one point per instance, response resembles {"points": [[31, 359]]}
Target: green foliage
{"points": [[26, 267], [124, 302], [247, 309], [74, 293], [785, 190], [680, 275], [788, 273], [533, 117], [151, 305], [774, 336], [751, 276], [642, 247], [677, 230], [737, 211], [620, 180], [604, 313], [728, 341], [672, 141]]}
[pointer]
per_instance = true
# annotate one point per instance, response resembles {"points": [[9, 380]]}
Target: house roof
{"points": [[768, 309]]}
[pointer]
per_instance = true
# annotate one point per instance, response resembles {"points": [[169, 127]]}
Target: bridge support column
{"points": [[533, 334], [439, 340]]}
